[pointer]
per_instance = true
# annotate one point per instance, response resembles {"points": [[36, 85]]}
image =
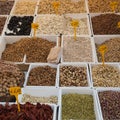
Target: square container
{"points": [[91, 54], [98, 100], [77, 65], [115, 65], [34, 65], [79, 91]]}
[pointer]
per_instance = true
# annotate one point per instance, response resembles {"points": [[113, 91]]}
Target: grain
{"points": [[101, 6], [42, 76], [113, 50], [5, 7], [36, 50], [77, 106], [25, 7], [110, 104], [73, 76], [10, 75], [2, 23], [66, 6], [105, 76], [106, 24], [34, 99], [80, 46]]}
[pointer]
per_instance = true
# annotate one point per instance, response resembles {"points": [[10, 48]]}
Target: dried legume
{"points": [[33, 99], [113, 50], [105, 76], [80, 46], [66, 6], [76, 106], [25, 7], [73, 76], [42, 76], [5, 7], [36, 50], [110, 104], [10, 75], [106, 24], [2, 23]]}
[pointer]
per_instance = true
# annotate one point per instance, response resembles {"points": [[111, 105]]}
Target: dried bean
{"points": [[105, 76], [100, 6], [28, 112], [16, 51], [76, 106], [73, 76], [19, 25], [110, 104], [42, 76], [10, 75], [80, 46], [5, 7], [2, 23], [106, 24], [25, 7], [66, 6], [113, 50], [33, 99], [23, 67]]}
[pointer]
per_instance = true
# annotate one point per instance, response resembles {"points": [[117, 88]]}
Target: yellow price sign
{"points": [[56, 5], [113, 5], [15, 91], [35, 26], [118, 25], [75, 24], [102, 49]]}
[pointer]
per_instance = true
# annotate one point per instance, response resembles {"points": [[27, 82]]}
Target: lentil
{"points": [[42, 76], [76, 106], [80, 46], [36, 50], [33, 99], [73, 76], [110, 104]]}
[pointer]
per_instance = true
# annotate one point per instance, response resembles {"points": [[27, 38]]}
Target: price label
{"points": [[75, 24], [56, 5], [102, 49], [35, 26], [118, 25], [113, 5], [15, 91]]}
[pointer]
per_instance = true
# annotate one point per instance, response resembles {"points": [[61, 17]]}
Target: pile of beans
{"points": [[73, 50], [28, 112], [60, 24], [66, 6], [73, 76], [36, 50], [113, 50], [77, 107], [10, 75], [106, 24], [42, 76], [110, 104], [99, 6], [105, 76], [33, 99], [19, 25], [2, 23], [25, 7], [5, 7]]}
